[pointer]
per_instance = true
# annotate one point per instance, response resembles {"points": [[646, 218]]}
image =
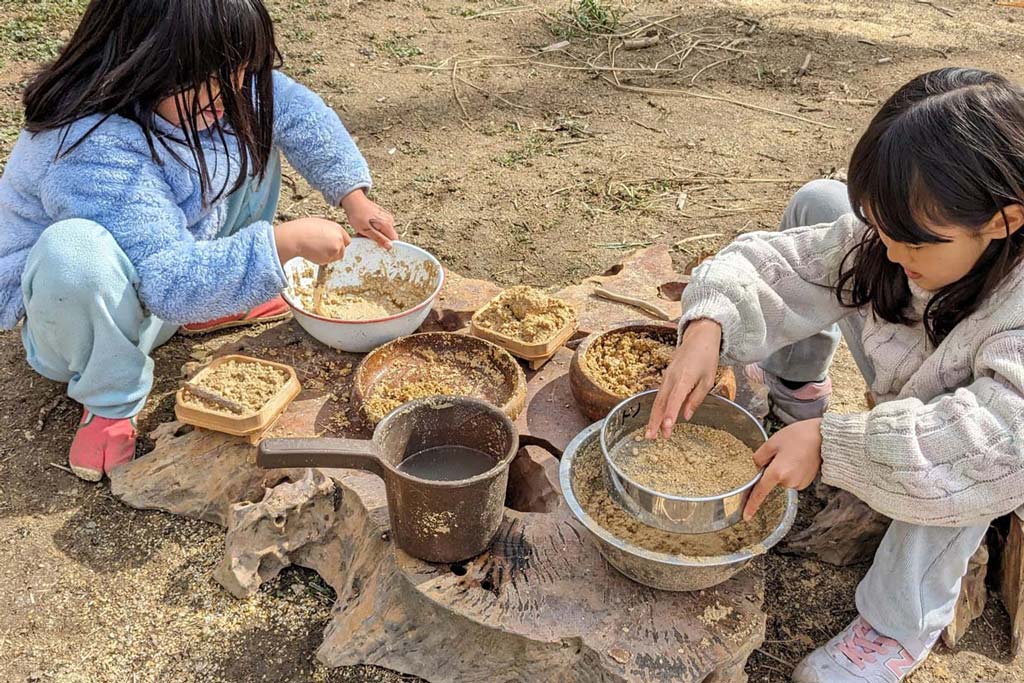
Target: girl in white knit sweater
{"points": [[918, 264]]}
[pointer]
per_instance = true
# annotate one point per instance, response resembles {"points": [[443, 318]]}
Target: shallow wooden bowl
{"points": [[403, 360]]}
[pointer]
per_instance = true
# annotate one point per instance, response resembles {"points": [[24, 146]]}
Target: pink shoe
{"points": [[271, 311], [809, 402], [859, 654], [100, 445]]}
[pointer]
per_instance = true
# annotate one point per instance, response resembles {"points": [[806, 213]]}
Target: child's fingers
{"points": [[761, 490], [765, 454], [378, 237], [385, 225], [697, 395], [677, 394]]}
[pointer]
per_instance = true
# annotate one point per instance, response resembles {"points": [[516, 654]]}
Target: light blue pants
{"points": [[911, 589], [84, 322]]}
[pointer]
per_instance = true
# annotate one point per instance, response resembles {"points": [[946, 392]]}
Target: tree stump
{"points": [[973, 596], [1011, 584], [642, 274], [540, 605], [846, 531]]}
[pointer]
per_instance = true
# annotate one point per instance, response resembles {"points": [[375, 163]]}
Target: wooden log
{"points": [[641, 274], [540, 605], [845, 532], [1011, 584], [973, 595]]}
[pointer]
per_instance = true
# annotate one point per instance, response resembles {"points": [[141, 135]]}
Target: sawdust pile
{"points": [[427, 372], [249, 384], [628, 362], [695, 461], [526, 314], [589, 485]]}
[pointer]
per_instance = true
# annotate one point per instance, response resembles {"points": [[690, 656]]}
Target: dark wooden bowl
{"points": [[404, 360], [595, 401]]}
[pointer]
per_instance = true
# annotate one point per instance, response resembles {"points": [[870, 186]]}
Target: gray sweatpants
{"points": [[911, 590]]}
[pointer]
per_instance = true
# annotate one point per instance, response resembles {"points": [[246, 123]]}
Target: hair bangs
{"points": [[889, 192]]}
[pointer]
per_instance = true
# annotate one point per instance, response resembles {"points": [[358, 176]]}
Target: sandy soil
{"points": [[510, 165]]}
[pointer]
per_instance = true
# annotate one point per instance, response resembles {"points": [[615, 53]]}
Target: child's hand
{"points": [[793, 457], [315, 239], [368, 219], [688, 378]]}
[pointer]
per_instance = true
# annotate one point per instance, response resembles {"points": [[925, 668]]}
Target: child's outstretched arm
{"points": [[765, 291], [114, 182], [316, 143], [956, 461], [771, 289]]}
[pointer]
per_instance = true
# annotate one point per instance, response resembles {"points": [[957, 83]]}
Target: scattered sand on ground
{"points": [[526, 314], [695, 461], [247, 383]]}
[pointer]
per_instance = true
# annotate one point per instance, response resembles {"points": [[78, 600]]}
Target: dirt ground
{"points": [[509, 163]]}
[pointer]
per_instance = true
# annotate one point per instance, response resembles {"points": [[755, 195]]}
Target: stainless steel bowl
{"points": [[661, 570], [680, 514]]}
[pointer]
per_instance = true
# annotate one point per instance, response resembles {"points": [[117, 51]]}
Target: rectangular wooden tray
{"points": [[529, 352], [244, 425]]}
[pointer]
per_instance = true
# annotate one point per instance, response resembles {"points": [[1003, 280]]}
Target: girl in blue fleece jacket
{"points": [[141, 197]]}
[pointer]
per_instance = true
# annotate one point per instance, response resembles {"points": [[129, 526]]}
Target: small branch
{"points": [[213, 397], [455, 90], [938, 8], [802, 71], [716, 98], [780, 660], [644, 306], [641, 43], [45, 411]]}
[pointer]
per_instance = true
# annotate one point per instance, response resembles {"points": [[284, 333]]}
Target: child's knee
{"points": [[76, 256], [819, 201], [822, 191]]}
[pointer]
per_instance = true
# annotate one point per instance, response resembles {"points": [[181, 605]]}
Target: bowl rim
{"points": [[738, 491], [606, 537], [402, 314]]}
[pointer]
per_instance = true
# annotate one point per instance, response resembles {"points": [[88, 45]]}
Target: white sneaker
{"points": [[859, 654]]}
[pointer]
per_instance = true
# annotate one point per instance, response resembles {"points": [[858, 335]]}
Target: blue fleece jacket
{"points": [[155, 210]]}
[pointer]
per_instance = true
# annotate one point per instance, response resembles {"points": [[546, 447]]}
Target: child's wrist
{"points": [[287, 249], [353, 199]]}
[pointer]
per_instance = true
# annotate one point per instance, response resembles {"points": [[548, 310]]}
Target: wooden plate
{"points": [[470, 366]]}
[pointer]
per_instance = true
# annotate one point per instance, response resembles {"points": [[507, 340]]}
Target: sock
{"points": [[796, 386]]}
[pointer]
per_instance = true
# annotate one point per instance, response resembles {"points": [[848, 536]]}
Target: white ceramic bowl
{"points": [[365, 256]]}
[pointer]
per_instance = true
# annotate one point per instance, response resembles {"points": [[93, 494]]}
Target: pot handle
{"points": [[353, 454], [540, 442]]}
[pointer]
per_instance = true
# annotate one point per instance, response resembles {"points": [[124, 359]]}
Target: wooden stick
{"points": [[938, 8], [641, 43], [215, 398], [716, 98], [318, 289], [802, 71], [644, 306]]}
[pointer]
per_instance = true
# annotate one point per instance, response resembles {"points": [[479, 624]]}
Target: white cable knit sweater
{"points": [[945, 446]]}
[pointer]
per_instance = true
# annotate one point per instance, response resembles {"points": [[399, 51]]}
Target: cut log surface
{"points": [[540, 605], [1012, 582]]}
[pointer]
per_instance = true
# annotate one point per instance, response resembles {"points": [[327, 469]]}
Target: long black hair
{"points": [[128, 55], [947, 147]]}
